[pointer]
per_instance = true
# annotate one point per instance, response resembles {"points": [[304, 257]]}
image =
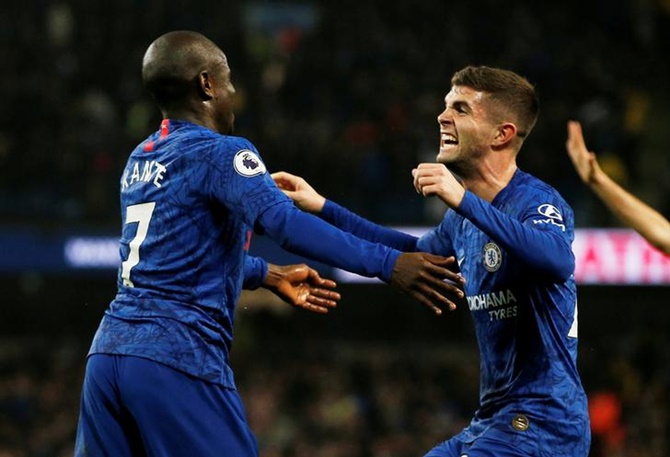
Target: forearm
{"points": [[255, 272], [304, 234], [352, 223], [633, 212], [541, 250]]}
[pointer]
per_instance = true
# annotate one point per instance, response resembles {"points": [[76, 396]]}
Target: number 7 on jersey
{"points": [[142, 215]]}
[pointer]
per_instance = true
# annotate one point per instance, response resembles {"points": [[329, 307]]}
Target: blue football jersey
{"points": [[522, 297], [516, 256], [189, 197]]}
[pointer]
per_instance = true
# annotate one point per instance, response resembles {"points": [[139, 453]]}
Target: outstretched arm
{"points": [[308, 199], [629, 209], [543, 250], [418, 274]]}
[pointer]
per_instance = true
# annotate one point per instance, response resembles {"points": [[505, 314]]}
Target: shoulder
{"points": [[532, 190], [231, 145], [538, 202], [222, 149]]}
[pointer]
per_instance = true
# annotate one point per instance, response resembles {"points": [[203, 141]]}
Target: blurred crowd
{"points": [[319, 397], [345, 93]]}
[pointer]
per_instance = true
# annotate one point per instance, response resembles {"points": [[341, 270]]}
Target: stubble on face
{"points": [[460, 131]]}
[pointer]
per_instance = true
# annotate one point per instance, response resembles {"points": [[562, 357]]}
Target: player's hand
{"points": [[584, 161], [298, 190], [423, 276], [436, 179], [302, 287]]}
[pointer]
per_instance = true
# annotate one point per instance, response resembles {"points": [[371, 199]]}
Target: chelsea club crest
{"points": [[492, 257]]}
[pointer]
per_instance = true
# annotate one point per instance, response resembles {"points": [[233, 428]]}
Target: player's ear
{"points": [[504, 134], [205, 86]]}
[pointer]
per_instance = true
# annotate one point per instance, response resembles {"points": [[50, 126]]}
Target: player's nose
{"points": [[444, 117]]}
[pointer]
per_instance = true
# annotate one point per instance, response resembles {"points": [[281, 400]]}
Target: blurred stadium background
{"points": [[346, 94]]}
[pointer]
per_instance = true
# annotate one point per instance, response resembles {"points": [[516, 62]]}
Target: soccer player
{"points": [[158, 380], [511, 234], [629, 209]]}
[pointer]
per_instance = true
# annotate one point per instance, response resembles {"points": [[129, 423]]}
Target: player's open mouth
{"points": [[447, 139]]}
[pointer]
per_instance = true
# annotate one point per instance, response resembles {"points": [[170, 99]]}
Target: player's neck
{"points": [[488, 179], [191, 116]]}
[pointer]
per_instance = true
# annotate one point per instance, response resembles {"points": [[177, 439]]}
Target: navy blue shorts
{"points": [[132, 406]]}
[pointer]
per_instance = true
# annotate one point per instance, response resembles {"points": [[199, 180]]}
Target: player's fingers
{"points": [[415, 181], [421, 182], [322, 301], [430, 291], [430, 190], [439, 260], [424, 170], [279, 178], [325, 294], [315, 279], [440, 286], [314, 308], [421, 298], [428, 166], [438, 267], [285, 181], [442, 280], [282, 175], [329, 283], [429, 297]]}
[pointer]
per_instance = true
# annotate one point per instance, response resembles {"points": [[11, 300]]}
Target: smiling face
{"points": [[466, 129]]}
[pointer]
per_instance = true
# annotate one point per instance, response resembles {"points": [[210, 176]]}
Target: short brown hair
{"points": [[511, 91]]}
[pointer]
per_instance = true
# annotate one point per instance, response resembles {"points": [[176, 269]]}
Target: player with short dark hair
{"points": [[511, 234], [158, 379]]}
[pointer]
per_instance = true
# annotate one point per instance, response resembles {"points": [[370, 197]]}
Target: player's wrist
{"points": [[319, 203], [273, 277]]}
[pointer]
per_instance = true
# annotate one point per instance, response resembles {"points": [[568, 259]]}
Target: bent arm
{"points": [[545, 251]]}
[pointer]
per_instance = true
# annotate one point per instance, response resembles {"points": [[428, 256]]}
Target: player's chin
{"points": [[445, 155], [451, 155]]}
